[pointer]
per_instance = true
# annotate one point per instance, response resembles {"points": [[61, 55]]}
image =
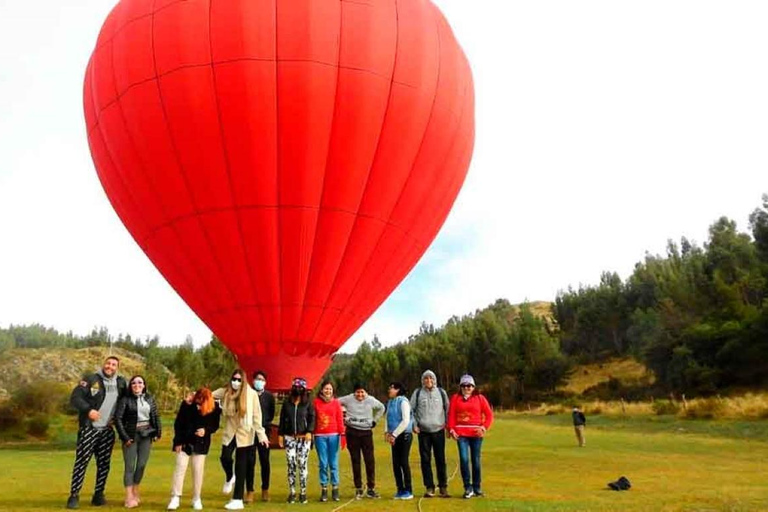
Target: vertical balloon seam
{"points": [[348, 309], [323, 188], [367, 182], [175, 149], [278, 313], [249, 347]]}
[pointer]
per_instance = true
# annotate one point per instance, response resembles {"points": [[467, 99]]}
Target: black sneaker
{"points": [[98, 500], [324, 494], [444, 492], [291, 498], [358, 494], [73, 501], [478, 493], [372, 494], [303, 497], [335, 494], [468, 494], [430, 492]]}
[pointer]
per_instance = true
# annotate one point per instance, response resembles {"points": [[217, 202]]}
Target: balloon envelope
{"points": [[283, 163]]}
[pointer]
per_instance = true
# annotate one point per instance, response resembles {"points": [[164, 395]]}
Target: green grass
{"points": [[529, 463]]}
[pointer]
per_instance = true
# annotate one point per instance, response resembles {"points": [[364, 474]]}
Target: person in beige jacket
{"points": [[242, 416]]}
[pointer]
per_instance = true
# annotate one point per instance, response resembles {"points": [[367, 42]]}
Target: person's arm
{"points": [[378, 409], [310, 417], [452, 416], [155, 418], [270, 406], [487, 412], [213, 420], [415, 407], [339, 418], [282, 424], [219, 393], [405, 409], [122, 404], [261, 434], [78, 397]]}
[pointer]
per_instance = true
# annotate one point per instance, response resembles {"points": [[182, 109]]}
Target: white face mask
{"points": [[235, 384]]}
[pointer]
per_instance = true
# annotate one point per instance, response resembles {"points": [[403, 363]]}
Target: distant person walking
{"points": [[95, 399], [329, 427], [297, 421], [362, 413], [430, 414], [138, 426], [267, 402], [579, 422], [243, 426], [400, 436], [198, 417], [469, 418]]}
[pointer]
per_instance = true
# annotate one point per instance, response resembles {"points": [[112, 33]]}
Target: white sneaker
{"points": [[227, 489], [174, 504], [197, 504], [235, 505]]}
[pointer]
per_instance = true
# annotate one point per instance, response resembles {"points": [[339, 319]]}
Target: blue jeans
{"points": [[467, 446], [328, 456]]}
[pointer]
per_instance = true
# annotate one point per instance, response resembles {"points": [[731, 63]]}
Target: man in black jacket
{"points": [[95, 399], [579, 422], [267, 402]]}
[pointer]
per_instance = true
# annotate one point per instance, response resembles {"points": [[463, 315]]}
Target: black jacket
{"points": [[296, 419], [89, 395], [188, 420], [127, 414], [578, 418], [267, 402]]}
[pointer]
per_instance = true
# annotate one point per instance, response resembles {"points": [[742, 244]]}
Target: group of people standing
{"points": [[328, 423]]}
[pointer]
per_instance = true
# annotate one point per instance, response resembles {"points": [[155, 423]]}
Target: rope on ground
{"points": [[455, 470]]}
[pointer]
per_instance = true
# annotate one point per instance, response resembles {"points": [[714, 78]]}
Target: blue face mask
{"points": [[258, 385]]}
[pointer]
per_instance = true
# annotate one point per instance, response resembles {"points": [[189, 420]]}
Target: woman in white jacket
{"points": [[242, 415]]}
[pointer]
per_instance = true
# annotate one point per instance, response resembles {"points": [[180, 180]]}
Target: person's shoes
{"points": [[430, 492], [265, 495], [73, 501], [335, 494], [358, 494], [235, 505], [407, 495], [291, 498], [398, 495], [372, 494], [248, 497], [324, 494], [478, 493], [228, 486], [197, 504], [468, 494], [303, 498], [98, 500], [174, 503], [444, 492]]}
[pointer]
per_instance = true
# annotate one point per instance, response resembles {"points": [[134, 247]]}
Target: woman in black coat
{"points": [[198, 417], [138, 425]]}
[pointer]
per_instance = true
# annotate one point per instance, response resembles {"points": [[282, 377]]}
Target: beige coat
{"points": [[242, 429]]}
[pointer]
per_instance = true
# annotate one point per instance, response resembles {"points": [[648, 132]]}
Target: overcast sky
{"points": [[603, 129]]}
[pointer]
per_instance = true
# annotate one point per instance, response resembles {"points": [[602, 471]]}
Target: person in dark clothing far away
{"points": [[429, 404], [579, 422], [95, 399], [267, 401]]}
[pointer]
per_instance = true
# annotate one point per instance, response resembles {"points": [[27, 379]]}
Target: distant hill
{"points": [[627, 371], [65, 365]]}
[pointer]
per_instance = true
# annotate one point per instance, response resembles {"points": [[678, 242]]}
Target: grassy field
{"points": [[529, 462]]}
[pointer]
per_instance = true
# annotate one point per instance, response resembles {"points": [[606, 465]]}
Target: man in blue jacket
{"points": [[95, 399]]}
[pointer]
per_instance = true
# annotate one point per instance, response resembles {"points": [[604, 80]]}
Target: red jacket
{"points": [[328, 417], [466, 416]]}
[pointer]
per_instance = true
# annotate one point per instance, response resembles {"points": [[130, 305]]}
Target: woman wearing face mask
{"points": [[198, 417], [329, 426], [138, 424], [242, 415], [297, 421], [399, 435]]}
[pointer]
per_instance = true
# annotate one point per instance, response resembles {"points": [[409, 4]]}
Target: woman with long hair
{"points": [[329, 427], [138, 425], [242, 415], [297, 421], [197, 419]]}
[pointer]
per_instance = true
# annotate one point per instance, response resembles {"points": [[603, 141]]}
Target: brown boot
{"points": [[248, 497], [265, 495]]}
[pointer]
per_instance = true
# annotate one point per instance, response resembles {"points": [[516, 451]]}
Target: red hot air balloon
{"points": [[283, 163]]}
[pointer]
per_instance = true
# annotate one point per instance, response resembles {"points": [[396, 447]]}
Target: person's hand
{"points": [[128, 443], [308, 437], [177, 449], [281, 441], [94, 415], [155, 439], [481, 431], [200, 432], [416, 429], [454, 435], [265, 443]]}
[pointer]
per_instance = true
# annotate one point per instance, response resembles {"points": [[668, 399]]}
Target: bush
{"points": [[705, 408], [37, 426], [665, 407], [40, 397], [8, 418]]}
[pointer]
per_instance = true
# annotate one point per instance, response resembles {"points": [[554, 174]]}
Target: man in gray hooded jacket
{"points": [[429, 404]]}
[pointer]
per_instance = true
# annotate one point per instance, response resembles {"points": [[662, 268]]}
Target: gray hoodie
{"points": [[429, 406], [362, 415]]}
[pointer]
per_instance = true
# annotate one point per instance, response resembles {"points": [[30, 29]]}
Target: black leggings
{"points": [[241, 465]]}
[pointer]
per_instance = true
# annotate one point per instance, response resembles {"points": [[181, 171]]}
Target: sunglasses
{"points": [[237, 380], [467, 386]]}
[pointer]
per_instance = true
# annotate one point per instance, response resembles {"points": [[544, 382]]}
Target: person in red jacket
{"points": [[469, 418], [329, 427]]}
